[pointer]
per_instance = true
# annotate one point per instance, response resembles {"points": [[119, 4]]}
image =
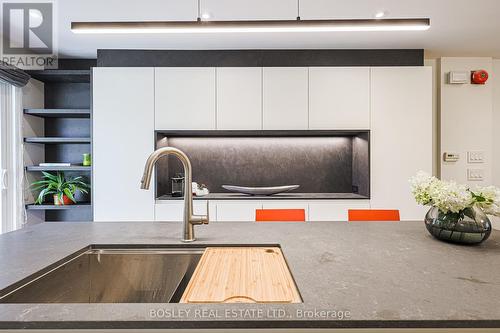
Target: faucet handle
{"points": [[201, 219]]}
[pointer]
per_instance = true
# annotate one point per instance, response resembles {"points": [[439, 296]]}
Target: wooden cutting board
{"points": [[241, 275]]}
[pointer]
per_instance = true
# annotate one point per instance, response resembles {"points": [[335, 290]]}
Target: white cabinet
{"points": [[239, 98], [184, 98], [401, 136], [334, 210], [236, 210], [285, 98], [173, 210], [123, 134], [339, 98], [291, 204]]}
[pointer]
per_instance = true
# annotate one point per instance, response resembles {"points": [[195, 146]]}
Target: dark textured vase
{"points": [[471, 226]]}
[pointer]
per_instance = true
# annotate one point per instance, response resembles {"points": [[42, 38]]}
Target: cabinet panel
{"points": [[292, 204], [237, 210], [184, 98], [339, 98], [285, 98], [239, 98], [334, 210], [173, 210], [401, 136], [122, 105]]}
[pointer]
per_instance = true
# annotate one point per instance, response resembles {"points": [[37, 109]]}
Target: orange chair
{"points": [[280, 215], [371, 215]]}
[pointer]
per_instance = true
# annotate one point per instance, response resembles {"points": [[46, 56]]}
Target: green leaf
{"points": [[69, 195]]}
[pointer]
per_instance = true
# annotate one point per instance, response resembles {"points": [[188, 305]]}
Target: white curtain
{"points": [[11, 158]]}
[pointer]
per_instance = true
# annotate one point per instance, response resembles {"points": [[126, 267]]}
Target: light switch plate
{"points": [[475, 157], [458, 77], [475, 174], [451, 157]]}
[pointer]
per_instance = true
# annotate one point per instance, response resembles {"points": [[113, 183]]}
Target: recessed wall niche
{"points": [[318, 161]]}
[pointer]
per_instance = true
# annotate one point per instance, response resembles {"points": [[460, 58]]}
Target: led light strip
{"points": [[195, 27]]}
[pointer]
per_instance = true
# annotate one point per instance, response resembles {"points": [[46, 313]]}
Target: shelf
{"points": [[56, 140], [62, 75], [58, 168], [59, 113], [79, 205]]}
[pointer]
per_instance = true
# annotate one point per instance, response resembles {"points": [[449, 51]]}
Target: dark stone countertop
{"points": [[280, 196], [381, 274]]}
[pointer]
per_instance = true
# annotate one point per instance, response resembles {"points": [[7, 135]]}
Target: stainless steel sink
{"points": [[110, 275]]}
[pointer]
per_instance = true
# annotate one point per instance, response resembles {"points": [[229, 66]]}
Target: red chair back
{"points": [[280, 215], [371, 215]]}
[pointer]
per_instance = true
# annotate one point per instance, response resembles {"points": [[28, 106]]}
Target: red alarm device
{"points": [[479, 77]]}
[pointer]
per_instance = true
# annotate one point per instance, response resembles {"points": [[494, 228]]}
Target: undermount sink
{"points": [[110, 275]]}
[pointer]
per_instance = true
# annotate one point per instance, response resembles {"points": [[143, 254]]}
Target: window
{"points": [[11, 164]]}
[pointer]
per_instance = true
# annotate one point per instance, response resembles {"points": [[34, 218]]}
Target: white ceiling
{"points": [[458, 27]]}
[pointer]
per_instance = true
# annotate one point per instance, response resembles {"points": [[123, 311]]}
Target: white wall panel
{"points": [[401, 136], [123, 138]]}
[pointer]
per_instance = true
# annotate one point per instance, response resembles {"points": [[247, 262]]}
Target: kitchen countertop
{"points": [[280, 196], [374, 274]]}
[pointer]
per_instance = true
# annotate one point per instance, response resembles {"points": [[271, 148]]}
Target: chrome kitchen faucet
{"points": [[189, 218]]}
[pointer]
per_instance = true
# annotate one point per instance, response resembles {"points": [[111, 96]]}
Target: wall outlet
{"points": [[475, 157], [475, 174]]}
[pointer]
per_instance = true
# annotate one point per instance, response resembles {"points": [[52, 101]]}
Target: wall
{"points": [[466, 112], [468, 118], [496, 129]]}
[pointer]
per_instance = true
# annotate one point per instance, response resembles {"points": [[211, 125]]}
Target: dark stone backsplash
{"points": [[329, 164]]}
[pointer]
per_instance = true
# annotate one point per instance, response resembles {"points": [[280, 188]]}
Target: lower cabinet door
{"points": [[237, 211], [173, 210], [334, 210], [271, 204]]}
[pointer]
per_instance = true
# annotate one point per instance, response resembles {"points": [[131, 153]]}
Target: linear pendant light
{"points": [[166, 27]]}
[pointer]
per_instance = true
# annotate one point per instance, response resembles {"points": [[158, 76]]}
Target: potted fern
{"points": [[61, 188]]}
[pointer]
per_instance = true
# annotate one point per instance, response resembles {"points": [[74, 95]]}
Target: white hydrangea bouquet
{"points": [[458, 213]]}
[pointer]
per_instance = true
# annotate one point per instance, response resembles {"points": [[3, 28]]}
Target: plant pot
{"points": [[65, 200], [471, 226]]}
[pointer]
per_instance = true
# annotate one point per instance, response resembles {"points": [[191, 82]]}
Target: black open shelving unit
{"points": [[58, 113], [35, 168], [80, 205], [57, 140], [67, 125]]}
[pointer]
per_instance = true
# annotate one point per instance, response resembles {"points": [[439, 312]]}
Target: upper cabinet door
{"points": [[123, 134], [184, 98], [285, 98], [239, 98], [339, 98]]}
